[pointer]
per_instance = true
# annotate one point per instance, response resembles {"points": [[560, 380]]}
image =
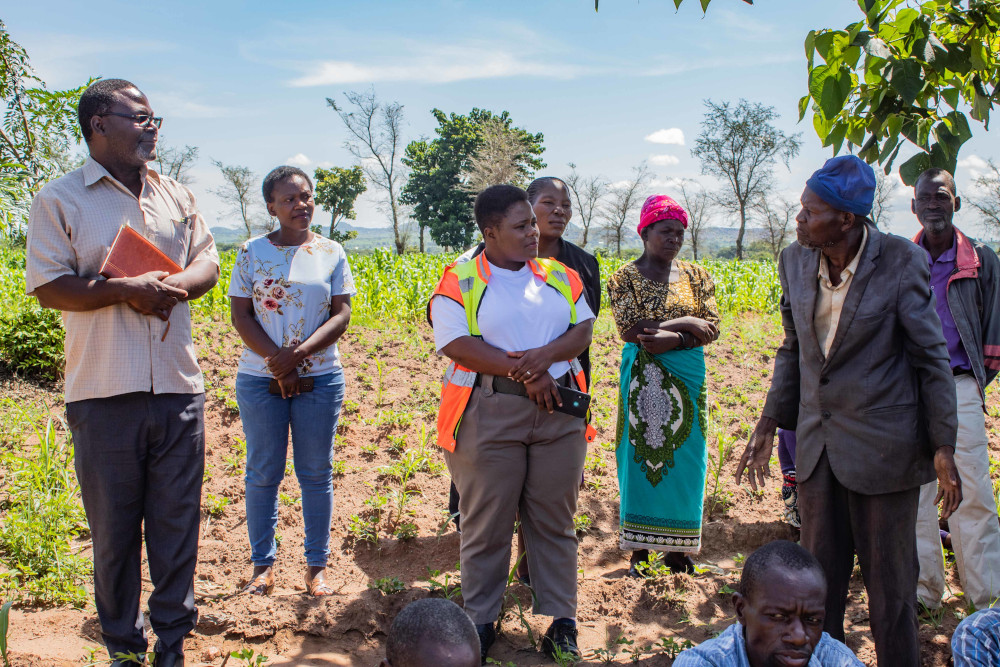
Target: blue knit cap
{"points": [[845, 183]]}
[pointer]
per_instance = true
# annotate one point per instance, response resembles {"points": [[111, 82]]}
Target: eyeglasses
{"points": [[143, 120]]}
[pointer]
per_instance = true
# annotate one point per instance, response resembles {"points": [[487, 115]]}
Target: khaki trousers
{"points": [[975, 532], [511, 456]]}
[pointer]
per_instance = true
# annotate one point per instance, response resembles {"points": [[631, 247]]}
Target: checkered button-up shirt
{"points": [[115, 350], [976, 642], [729, 650]]}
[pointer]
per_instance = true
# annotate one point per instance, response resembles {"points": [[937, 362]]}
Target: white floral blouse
{"points": [[292, 288]]}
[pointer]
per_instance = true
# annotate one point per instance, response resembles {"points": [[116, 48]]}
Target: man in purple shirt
{"points": [[965, 279]]}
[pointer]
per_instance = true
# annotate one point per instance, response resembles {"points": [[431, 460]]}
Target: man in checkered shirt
{"points": [[134, 393], [976, 642]]}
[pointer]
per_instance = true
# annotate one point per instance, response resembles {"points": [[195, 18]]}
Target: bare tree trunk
{"points": [[394, 205], [743, 229]]}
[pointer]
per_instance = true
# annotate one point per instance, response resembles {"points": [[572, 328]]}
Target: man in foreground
{"points": [[134, 392], [965, 278], [863, 378], [976, 642], [780, 611], [432, 633]]}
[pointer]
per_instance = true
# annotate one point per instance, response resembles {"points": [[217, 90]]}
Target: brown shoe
{"points": [[316, 584], [261, 584]]}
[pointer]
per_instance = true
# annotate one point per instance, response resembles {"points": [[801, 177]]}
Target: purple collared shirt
{"points": [[941, 270]]}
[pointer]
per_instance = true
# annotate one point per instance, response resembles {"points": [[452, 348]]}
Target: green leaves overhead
{"points": [[905, 73], [830, 86]]}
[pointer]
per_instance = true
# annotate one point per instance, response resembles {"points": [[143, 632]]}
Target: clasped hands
{"points": [[283, 365], [532, 369], [154, 293], [756, 460], [660, 340]]}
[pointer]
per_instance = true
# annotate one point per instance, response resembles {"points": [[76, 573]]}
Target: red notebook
{"points": [[132, 255]]}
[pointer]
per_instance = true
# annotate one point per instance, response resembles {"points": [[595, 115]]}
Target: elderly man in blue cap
{"points": [[864, 378]]}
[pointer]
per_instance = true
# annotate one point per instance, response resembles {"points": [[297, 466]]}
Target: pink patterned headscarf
{"points": [[661, 207]]}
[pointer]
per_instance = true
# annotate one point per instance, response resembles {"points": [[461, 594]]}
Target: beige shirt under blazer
{"points": [[115, 350], [830, 299]]}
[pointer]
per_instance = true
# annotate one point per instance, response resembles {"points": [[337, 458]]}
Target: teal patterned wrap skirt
{"points": [[661, 449]]}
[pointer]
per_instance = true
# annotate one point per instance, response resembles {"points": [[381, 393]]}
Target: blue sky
{"points": [[247, 82]]}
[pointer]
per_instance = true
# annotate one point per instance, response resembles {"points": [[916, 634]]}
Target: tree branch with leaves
{"points": [[588, 195], [375, 130], [624, 200], [740, 146], [905, 75], [239, 193], [337, 189]]}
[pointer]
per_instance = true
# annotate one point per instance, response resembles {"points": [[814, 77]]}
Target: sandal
{"points": [[317, 585], [262, 584]]}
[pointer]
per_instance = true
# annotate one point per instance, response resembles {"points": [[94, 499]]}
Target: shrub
{"points": [[31, 340], [43, 517]]}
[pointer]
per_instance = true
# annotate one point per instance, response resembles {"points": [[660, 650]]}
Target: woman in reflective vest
{"points": [[511, 323]]}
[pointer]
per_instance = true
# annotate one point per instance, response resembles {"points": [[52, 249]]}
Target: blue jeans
{"points": [[266, 418]]}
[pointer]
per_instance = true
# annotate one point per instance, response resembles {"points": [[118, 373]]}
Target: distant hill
{"points": [[713, 239]]}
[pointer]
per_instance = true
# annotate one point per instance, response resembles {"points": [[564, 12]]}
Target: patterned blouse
{"points": [[292, 288], [634, 297]]}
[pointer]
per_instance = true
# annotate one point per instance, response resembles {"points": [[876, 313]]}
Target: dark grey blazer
{"points": [[885, 397]]}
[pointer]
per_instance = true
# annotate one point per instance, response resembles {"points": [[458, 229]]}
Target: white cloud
{"points": [[298, 160], [973, 162], [664, 160], [435, 64], [666, 183], [304, 161], [672, 136], [669, 66], [172, 105]]}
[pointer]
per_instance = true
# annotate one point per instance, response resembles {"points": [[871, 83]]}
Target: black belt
{"points": [[960, 371], [504, 385]]}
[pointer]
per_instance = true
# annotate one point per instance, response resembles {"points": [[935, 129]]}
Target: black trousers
{"points": [[836, 523], [140, 458]]}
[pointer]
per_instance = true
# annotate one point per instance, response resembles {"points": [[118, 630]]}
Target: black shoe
{"points": [[487, 635], [638, 556], [561, 635], [161, 658], [679, 562]]}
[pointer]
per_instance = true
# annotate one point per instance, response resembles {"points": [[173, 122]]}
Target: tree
{"points": [[987, 201], [588, 193], [437, 187], [625, 198], [377, 143], [777, 219], [176, 162], [38, 133], [922, 64], [885, 190], [502, 156], [337, 189], [239, 193], [698, 204], [740, 147]]}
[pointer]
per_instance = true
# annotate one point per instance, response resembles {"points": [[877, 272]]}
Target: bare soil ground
{"points": [[393, 382]]}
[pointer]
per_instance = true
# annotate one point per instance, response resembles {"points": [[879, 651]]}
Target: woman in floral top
{"points": [[665, 311], [291, 301]]}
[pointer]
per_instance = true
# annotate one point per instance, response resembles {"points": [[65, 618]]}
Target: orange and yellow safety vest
{"points": [[465, 283]]}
